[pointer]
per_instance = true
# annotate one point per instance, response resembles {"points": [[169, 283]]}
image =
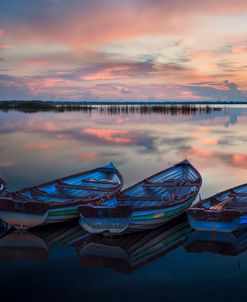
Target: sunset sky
{"points": [[133, 50]]}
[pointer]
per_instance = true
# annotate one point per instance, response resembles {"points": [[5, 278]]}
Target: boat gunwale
{"points": [[168, 205], [200, 206], [173, 202], [72, 201]]}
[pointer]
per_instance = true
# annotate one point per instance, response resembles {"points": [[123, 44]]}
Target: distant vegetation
{"points": [[157, 109], [112, 109], [37, 106]]}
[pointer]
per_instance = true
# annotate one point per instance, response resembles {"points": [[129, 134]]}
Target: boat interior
{"points": [[233, 199], [94, 184], [170, 186]]}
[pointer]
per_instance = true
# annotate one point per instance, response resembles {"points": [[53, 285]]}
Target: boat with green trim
{"points": [[147, 204], [58, 200]]}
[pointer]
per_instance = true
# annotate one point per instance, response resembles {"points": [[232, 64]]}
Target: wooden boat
{"points": [[227, 244], [147, 204], [127, 253], [223, 212], [58, 200]]}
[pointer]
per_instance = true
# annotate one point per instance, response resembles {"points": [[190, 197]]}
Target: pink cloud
{"points": [[109, 21], [108, 74], [5, 46], [40, 146], [110, 135], [144, 50]]}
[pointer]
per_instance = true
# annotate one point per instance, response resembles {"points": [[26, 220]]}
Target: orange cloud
{"points": [[36, 62], [200, 152], [239, 160], [209, 141], [5, 46], [109, 135], [37, 86], [239, 49], [107, 74]]}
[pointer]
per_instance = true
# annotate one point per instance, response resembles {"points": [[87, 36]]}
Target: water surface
{"points": [[172, 263]]}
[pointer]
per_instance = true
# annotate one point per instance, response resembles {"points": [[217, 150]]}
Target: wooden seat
{"points": [[170, 183], [103, 182], [63, 185], [38, 192]]}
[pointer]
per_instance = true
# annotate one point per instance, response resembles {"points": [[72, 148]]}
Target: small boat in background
{"points": [[223, 212], [127, 253], [147, 204], [58, 200], [227, 244]]}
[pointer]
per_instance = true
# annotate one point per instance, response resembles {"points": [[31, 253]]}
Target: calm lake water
{"points": [[172, 263]]}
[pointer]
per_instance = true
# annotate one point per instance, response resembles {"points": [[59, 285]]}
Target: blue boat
{"points": [[223, 212], [58, 200], [147, 204]]}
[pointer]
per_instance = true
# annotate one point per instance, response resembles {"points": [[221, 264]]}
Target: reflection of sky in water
{"points": [[37, 147], [41, 146]]}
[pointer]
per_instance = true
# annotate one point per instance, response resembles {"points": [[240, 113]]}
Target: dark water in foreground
{"points": [[169, 264]]}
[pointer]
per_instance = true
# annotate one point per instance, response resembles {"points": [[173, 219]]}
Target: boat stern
{"points": [[213, 220], [105, 219], [22, 215]]}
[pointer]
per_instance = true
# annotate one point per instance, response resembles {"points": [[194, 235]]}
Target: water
{"points": [[170, 264]]}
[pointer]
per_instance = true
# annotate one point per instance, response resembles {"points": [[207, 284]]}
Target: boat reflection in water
{"points": [[126, 253], [23, 246], [37, 244], [123, 253], [230, 244]]}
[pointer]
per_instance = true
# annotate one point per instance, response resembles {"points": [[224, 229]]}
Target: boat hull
{"points": [[135, 221], [153, 219], [217, 222], [24, 220]]}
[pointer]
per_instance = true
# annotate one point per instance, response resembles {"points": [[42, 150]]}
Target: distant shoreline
{"points": [[109, 108], [98, 103]]}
